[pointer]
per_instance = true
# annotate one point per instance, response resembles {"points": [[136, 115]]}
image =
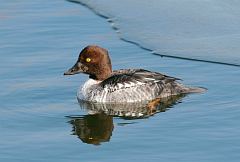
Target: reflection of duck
{"points": [[131, 110], [93, 129], [97, 127], [126, 85]]}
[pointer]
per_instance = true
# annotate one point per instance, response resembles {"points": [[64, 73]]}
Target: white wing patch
{"points": [[152, 79], [124, 85], [149, 79], [129, 84]]}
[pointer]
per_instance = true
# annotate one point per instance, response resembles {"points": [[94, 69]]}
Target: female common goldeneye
{"points": [[125, 85]]}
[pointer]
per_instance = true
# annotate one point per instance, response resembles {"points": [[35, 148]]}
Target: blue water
{"points": [[41, 119]]}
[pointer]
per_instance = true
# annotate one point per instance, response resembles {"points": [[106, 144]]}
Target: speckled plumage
{"points": [[131, 85]]}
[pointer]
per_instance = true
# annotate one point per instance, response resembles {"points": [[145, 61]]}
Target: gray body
{"points": [[133, 85]]}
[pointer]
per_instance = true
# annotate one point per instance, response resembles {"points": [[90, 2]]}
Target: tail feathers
{"points": [[193, 90]]}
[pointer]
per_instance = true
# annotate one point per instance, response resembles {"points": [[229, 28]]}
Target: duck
{"points": [[125, 85]]}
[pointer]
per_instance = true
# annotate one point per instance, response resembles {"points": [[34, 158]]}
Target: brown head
{"points": [[94, 61]]}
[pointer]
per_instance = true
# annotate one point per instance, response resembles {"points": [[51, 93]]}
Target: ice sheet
{"points": [[206, 30]]}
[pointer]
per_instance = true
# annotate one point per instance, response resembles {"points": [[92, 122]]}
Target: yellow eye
{"points": [[88, 59]]}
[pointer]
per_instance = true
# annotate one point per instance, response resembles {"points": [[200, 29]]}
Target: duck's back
{"points": [[134, 85]]}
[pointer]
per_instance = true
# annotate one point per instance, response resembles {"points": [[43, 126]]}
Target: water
{"points": [[41, 119]]}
